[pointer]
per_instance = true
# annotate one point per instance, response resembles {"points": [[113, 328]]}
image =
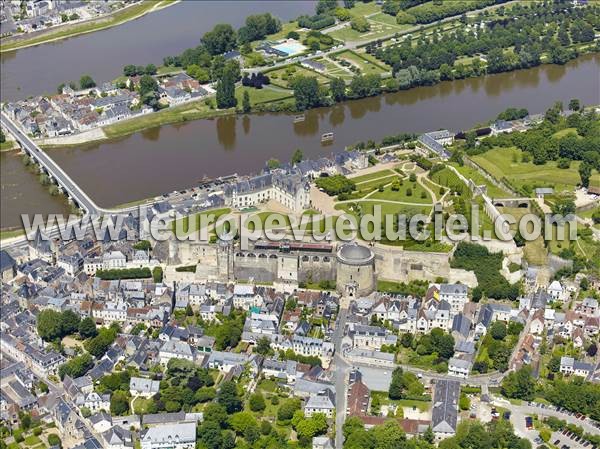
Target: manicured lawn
{"points": [[375, 183], [363, 9], [564, 132], [499, 163], [418, 194], [366, 67], [283, 76], [378, 30], [8, 145], [264, 95], [479, 179], [334, 70], [32, 440], [186, 112], [370, 176], [11, 233], [386, 208]]}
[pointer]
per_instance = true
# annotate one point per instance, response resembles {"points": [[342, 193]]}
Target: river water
{"points": [[174, 157]]}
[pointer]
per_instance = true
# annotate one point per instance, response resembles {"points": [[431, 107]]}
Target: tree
{"points": [[149, 90], [585, 173], [69, 322], [273, 163], [226, 87], [198, 73], [351, 425], [397, 385], [263, 346], [257, 402], [157, 275], [286, 410], [592, 349], [228, 397], [325, 6], [54, 440], [241, 421], [86, 82], [498, 330], [209, 433], [337, 89], [574, 105], [246, 102], [360, 24], [220, 40], [389, 435], [216, 413], [298, 156], [77, 366], [119, 403], [87, 328], [306, 92], [49, 325], [564, 205], [519, 384], [150, 69], [470, 139]]}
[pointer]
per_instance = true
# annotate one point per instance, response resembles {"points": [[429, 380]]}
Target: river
{"points": [[103, 54], [175, 157]]}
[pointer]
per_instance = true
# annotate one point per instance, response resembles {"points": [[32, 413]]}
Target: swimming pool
{"points": [[290, 47]]}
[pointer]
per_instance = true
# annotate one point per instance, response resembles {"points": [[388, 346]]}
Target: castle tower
{"points": [[225, 259]]}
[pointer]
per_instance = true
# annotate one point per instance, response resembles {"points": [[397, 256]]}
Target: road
{"points": [[61, 178], [341, 370]]}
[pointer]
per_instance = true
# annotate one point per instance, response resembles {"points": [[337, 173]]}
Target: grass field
{"points": [[418, 194], [186, 112], [283, 76], [366, 207], [379, 29], [526, 175], [264, 95], [479, 179], [366, 67], [130, 13], [378, 174], [8, 145], [335, 70]]}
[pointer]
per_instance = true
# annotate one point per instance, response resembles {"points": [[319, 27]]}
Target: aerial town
{"points": [[308, 267]]}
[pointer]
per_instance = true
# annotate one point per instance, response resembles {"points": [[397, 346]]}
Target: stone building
{"points": [[355, 270]]}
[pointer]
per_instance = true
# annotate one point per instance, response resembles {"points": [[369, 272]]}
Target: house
{"points": [[501, 127], [138, 386], [455, 295], [444, 413], [541, 192], [358, 395], [371, 357], [174, 349], [367, 337], [323, 402], [117, 438], [101, 421], [8, 267], [459, 367], [313, 65], [568, 366], [556, 291], [286, 370], [537, 322], [170, 436], [589, 306], [322, 443]]}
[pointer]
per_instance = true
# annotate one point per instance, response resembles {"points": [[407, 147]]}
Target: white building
{"points": [[138, 386], [174, 349], [568, 366], [170, 436], [455, 295], [323, 402], [459, 367]]}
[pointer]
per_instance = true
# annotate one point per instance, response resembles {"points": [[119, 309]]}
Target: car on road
{"points": [[529, 422]]}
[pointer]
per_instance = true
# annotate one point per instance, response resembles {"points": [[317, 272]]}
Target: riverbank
{"points": [[269, 99], [64, 31]]}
